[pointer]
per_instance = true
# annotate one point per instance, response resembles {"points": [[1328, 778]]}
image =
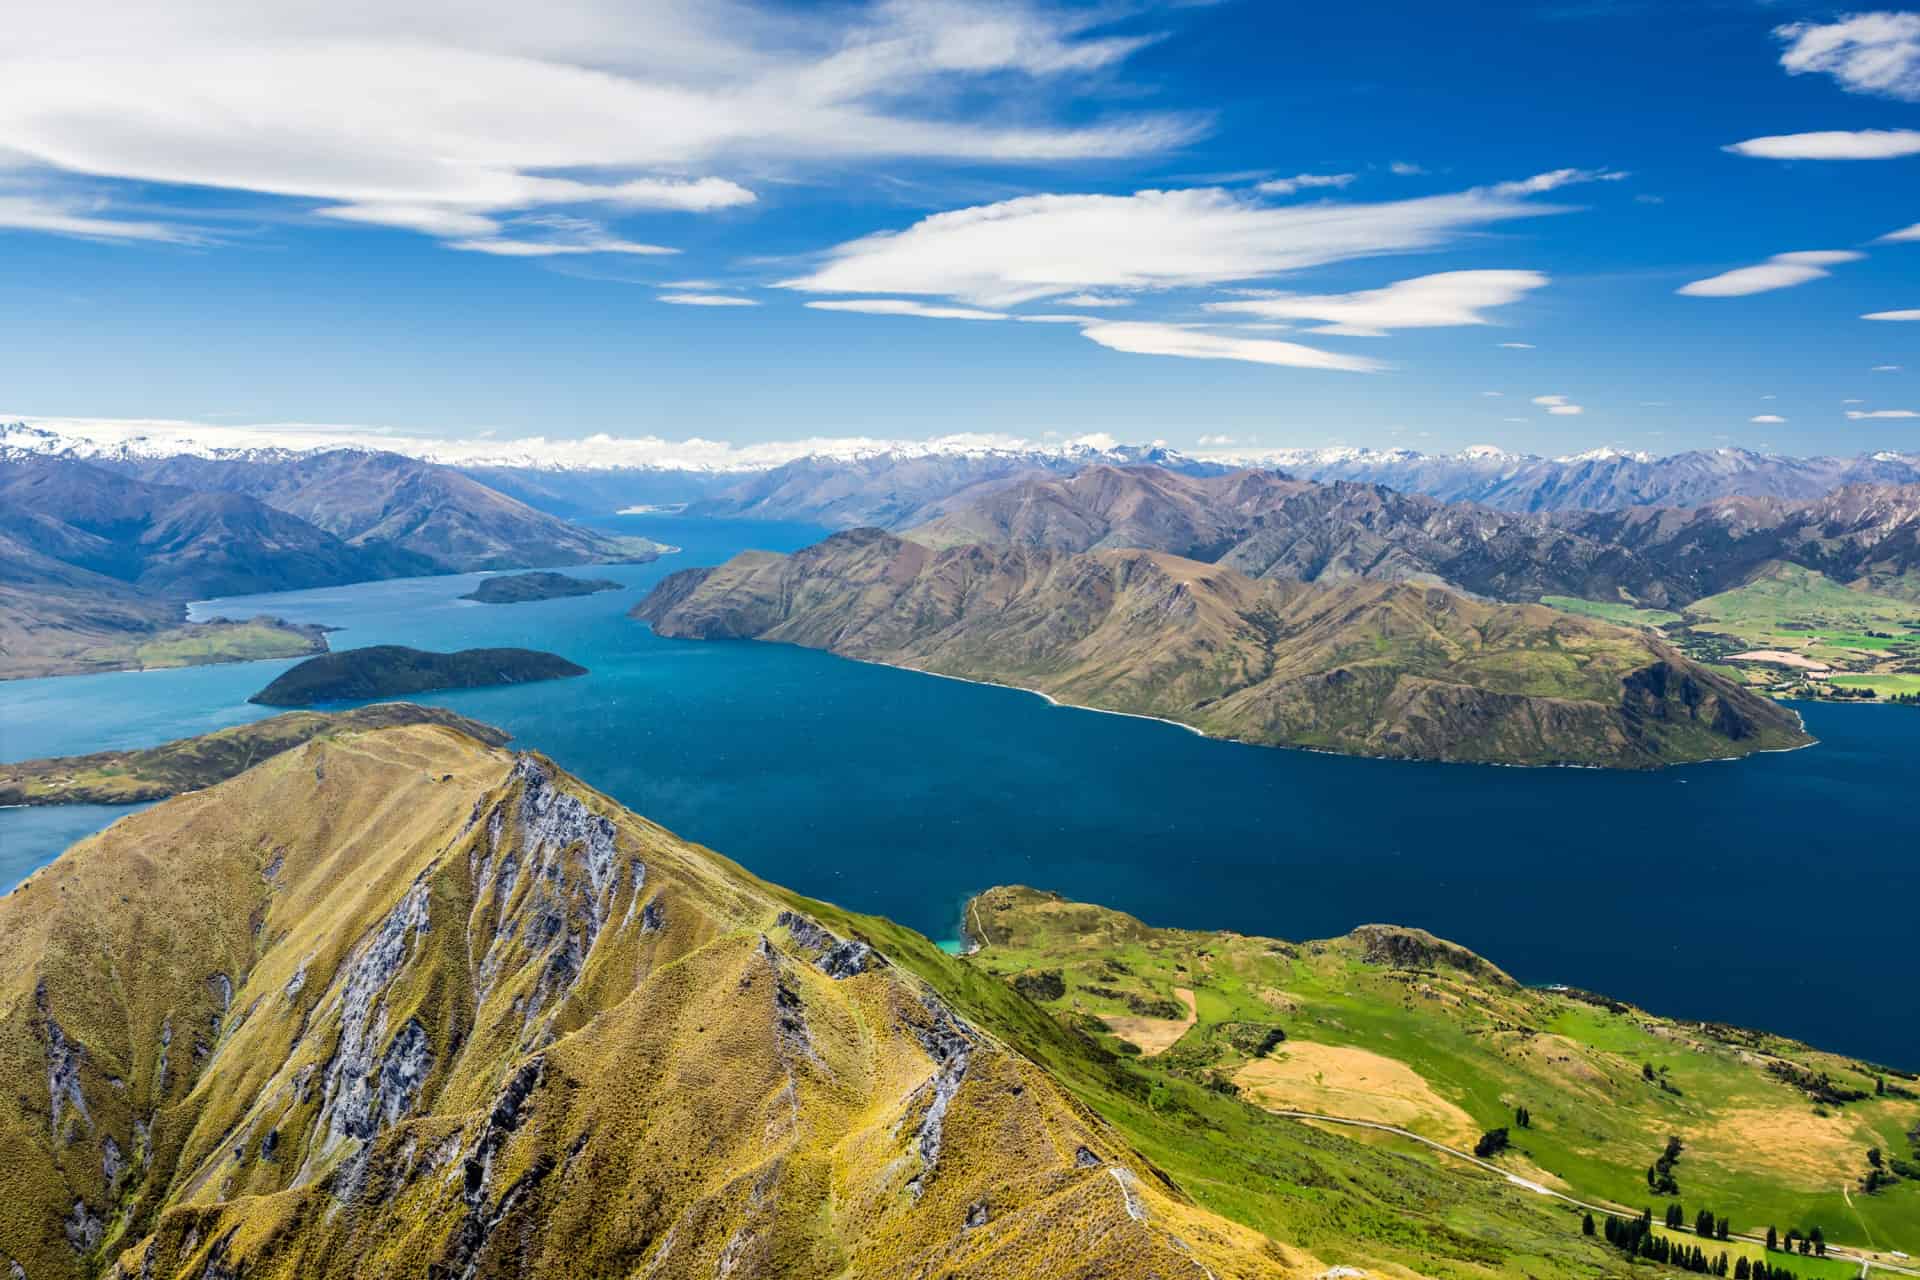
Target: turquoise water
{"points": [[1776, 892]]}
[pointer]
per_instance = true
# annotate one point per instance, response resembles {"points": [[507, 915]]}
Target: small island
{"points": [[518, 588], [390, 670]]}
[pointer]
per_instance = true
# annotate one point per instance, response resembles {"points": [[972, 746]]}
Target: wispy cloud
{"points": [[442, 116], [707, 300], [1559, 406], [901, 307], [1424, 302], [1304, 182], [1872, 53], [1200, 344], [1859, 144], [1891, 315], [85, 219], [1781, 271], [1859, 414], [1902, 235], [1767, 419], [1516, 346]]}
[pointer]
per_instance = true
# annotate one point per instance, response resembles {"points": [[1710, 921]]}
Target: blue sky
{"points": [[1264, 223]]}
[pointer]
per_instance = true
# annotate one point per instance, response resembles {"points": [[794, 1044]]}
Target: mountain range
{"points": [[1364, 667], [1267, 525]]}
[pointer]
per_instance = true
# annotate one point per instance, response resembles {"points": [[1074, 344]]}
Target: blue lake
{"points": [[1776, 892]]}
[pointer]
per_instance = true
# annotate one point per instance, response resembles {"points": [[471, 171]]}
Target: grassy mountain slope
{"points": [[1367, 667], [397, 1003], [1396, 1026], [188, 764]]}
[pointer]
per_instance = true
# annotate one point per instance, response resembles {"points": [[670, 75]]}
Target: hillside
{"points": [[1363, 667], [1397, 1027], [391, 670], [176, 542], [397, 1003], [370, 499], [190, 764]]}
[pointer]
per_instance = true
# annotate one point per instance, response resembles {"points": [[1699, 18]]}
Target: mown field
{"points": [[197, 644], [1403, 1029]]}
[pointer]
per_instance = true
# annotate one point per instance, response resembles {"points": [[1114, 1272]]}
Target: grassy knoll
{"points": [[1605, 1084], [226, 640], [1612, 611]]}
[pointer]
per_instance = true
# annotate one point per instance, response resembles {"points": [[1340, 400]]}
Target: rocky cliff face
{"points": [[1390, 669], [399, 1003]]}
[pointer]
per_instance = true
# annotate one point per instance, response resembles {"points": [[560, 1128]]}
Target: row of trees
{"points": [[1813, 1243], [1636, 1238], [1705, 1225]]}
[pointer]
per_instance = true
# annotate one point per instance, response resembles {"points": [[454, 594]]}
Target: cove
{"points": [[1775, 892]]}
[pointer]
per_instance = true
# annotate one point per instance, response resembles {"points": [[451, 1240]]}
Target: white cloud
{"points": [[1874, 53], [1885, 368], [1215, 441], [707, 300], [1405, 169], [1857, 414], [433, 114], [901, 307], [1903, 234], [1424, 302], [1891, 315], [1860, 144], [1046, 246], [1493, 394], [1517, 346], [1199, 344], [1058, 319], [1559, 406], [1781, 271], [1770, 419], [1094, 300], [1304, 182]]}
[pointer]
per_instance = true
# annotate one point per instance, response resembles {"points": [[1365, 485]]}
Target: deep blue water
{"points": [[1778, 891]]}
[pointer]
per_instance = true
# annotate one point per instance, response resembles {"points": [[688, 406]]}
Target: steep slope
{"points": [[386, 500], [1269, 526], [397, 1003], [1862, 534], [1364, 667]]}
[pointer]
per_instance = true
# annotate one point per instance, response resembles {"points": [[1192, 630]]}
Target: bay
{"points": [[1775, 892]]}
